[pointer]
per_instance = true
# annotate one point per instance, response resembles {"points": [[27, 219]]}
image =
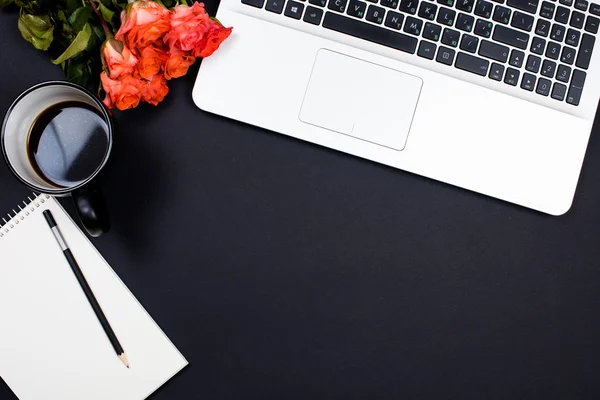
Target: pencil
{"points": [[86, 288]]}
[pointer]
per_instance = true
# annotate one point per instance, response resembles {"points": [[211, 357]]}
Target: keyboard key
{"points": [[577, 19], [499, 1], [337, 5], [494, 51], [595, 9], [568, 55], [496, 71], [502, 14], [364, 30], [294, 10], [413, 26], [543, 87], [448, 3], [357, 8], [572, 37], [473, 64], [576, 87], [469, 43], [547, 10], [373, 1], [563, 74], [516, 58], [511, 37], [389, 3], [465, 22], [465, 5], [538, 45], [522, 21], [445, 56], [512, 76], [553, 50], [483, 28], [525, 5], [562, 15], [559, 91], [566, 2], [320, 3], [484, 8], [585, 51], [450, 37], [591, 25], [557, 33], [375, 14], [254, 3], [426, 50], [528, 82], [548, 68], [313, 15], [446, 16], [581, 5], [533, 64], [432, 31], [394, 20], [427, 10], [409, 6], [542, 28], [275, 6]]}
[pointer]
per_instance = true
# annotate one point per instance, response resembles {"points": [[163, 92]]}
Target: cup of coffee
{"points": [[56, 138]]}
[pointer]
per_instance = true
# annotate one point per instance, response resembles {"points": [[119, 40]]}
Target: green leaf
{"points": [[99, 32], [106, 13], [37, 30], [96, 39], [78, 72], [62, 26], [80, 17], [72, 5], [120, 4], [27, 5], [216, 20], [77, 46], [4, 3], [34, 6]]}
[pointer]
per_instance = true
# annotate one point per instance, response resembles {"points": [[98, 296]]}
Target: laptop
{"points": [[497, 97]]}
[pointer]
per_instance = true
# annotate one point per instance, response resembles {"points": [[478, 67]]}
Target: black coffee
{"points": [[67, 143]]}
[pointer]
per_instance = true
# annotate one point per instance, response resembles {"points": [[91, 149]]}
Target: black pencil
{"points": [[86, 288]]}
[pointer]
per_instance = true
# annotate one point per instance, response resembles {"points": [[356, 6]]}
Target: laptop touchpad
{"points": [[361, 99]]}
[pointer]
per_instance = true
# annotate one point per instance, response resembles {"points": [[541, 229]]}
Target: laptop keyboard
{"points": [[486, 38]]}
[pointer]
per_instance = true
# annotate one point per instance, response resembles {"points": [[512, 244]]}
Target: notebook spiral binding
{"points": [[26, 210]]}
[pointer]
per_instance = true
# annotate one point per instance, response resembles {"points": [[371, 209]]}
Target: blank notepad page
{"points": [[52, 346]]}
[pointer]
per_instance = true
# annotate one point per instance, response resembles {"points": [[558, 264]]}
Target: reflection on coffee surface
{"points": [[67, 143]]}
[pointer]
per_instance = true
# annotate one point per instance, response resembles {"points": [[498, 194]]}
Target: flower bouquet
{"points": [[128, 50]]}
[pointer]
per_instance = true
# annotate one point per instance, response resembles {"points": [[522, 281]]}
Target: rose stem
{"points": [[107, 30]]}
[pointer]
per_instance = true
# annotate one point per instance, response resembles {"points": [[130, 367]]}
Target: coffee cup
{"points": [[56, 139]]}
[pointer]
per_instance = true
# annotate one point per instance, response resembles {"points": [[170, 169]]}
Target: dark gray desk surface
{"points": [[283, 270]]}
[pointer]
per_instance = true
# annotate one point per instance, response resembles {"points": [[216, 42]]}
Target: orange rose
{"points": [[189, 27], [144, 23], [153, 59], [118, 59], [212, 41], [124, 93], [178, 64], [155, 90]]}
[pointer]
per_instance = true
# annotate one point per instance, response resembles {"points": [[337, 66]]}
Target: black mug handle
{"points": [[92, 210]]}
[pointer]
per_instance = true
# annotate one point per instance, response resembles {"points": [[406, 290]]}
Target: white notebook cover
{"points": [[52, 346]]}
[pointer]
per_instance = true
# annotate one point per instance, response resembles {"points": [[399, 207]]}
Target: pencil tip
{"points": [[123, 358]]}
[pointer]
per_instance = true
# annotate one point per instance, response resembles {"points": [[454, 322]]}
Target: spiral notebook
{"points": [[52, 346]]}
